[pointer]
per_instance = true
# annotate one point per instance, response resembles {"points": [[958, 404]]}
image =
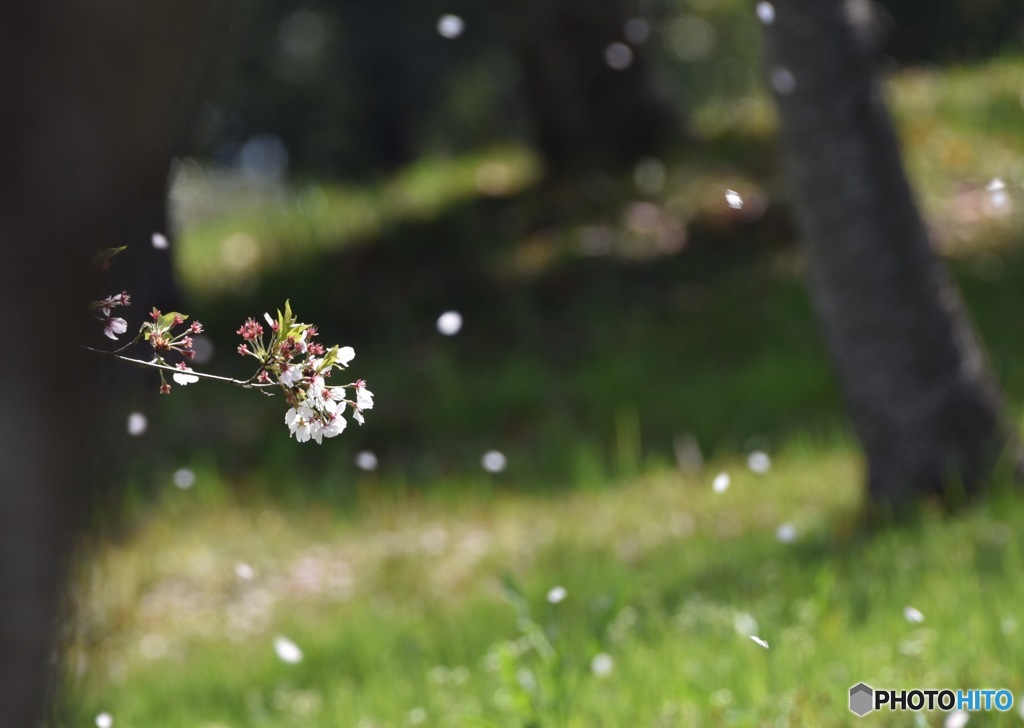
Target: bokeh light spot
{"points": [[449, 323], [184, 478], [450, 26], [618, 56], [494, 461], [137, 424], [366, 460]]}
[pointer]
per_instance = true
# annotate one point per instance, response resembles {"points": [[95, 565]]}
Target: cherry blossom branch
{"points": [[287, 355]]}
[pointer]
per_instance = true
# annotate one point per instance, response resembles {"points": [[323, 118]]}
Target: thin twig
{"points": [[243, 383]]}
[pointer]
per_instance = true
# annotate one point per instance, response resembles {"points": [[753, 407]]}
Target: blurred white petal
{"points": [[912, 615], [287, 650]]}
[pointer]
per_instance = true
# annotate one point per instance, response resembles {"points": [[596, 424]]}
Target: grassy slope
{"points": [[403, 607]]}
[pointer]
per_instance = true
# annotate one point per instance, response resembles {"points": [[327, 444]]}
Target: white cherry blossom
{"points": [[114, 327], [290, 376], [184, 378], [345, 355], [316, 389], [334, 426], [299, 420]]}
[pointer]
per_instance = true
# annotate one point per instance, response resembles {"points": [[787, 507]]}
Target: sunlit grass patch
{"points": [[960, 128], [961, 131], [234, 229], [441, 612]]}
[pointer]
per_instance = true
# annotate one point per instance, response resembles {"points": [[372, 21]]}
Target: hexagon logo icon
{"points": [[861, 699]]}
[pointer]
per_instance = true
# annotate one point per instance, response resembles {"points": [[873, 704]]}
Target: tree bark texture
{"points": [[96, 93], [586, 113], [916, 380]]}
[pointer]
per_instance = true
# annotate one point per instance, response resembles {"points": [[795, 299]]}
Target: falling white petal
{"points": [[557, 594], [912, 615], [287, 650], [602, 664], [744, 623], [494, 461], [782, 80], [766, 12], [244, 572], [997, 194], [999, 198], [786, 533], [733, 199], [721, 483], [449, 323], [184, 478], [759, 462], [137, 424], [759, 641], [450, 26], [618, 56], [366, 460], [104, 720], [957, 719]]}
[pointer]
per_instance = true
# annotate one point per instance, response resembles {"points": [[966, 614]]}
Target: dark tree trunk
{"points": [[95, 96], [586, 112], [916, 380]]}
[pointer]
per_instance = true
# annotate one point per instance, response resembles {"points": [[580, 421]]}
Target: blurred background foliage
{"points": [[623, 326], [378, 173], [353, 90]]}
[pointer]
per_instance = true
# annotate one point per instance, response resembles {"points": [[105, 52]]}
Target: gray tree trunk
{"points": [[586, 113], [95, 96], [918, 387]]}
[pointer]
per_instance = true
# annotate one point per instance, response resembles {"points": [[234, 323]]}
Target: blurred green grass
{"points": [[584, 369], [247, 227], [402, 612]]}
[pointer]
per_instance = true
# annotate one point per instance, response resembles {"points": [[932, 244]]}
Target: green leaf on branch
{"points": [[329, 359], [167, 320], [102, 257]]}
